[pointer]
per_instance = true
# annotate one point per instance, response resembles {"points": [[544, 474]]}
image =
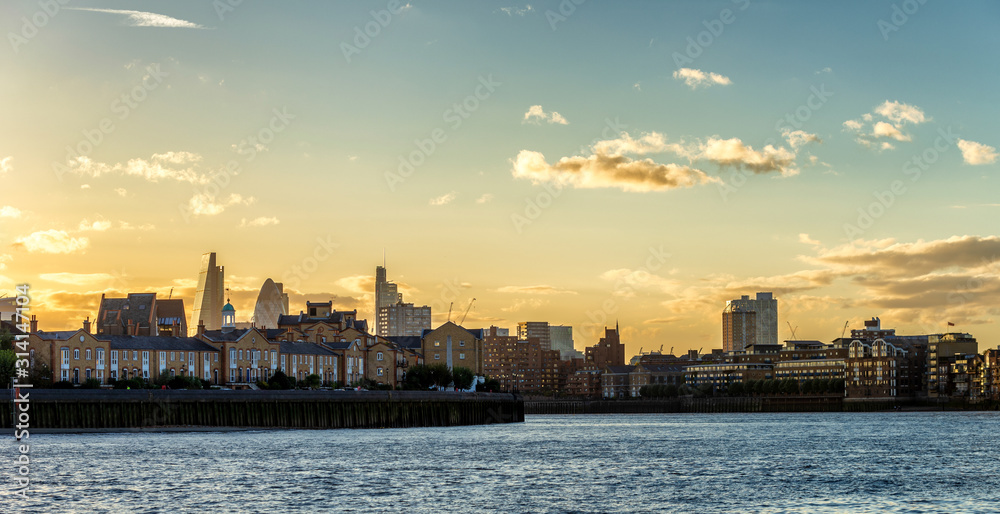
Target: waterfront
{"points": [[791, 462]]}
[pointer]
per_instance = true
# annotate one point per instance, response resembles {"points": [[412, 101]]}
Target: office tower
{"points": [[764, 324], [393, 318], [561, 339], [208, 298], [272, 302]]}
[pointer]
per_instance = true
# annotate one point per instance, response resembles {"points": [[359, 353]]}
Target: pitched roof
{"points": [[12, 328], [221, 337], [304, 348], [620, 369], [273, 333], [59, 335], [409, 342], [158, 343], [136, 307]]}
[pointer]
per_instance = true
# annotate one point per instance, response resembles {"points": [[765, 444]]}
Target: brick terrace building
{"points": [[884, 369], [518, 364]]}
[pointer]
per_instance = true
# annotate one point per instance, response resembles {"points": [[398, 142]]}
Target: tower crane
{"points": [[844, 331], [452, 304], [792, 329], [467, 309]]}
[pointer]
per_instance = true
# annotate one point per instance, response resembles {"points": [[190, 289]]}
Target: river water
{"points": [[793, 462]]}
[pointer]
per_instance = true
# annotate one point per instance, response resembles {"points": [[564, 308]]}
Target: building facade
{"points": [[208, 297]]}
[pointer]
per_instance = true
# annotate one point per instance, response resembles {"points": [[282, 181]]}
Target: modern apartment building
{"points": [[736, 317]]}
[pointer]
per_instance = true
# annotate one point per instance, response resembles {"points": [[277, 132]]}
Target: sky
{"points": [[582, 163]]}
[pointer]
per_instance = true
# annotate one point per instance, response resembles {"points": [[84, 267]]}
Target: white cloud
{"points": [[797, 138], [733, 152], [542, 289], [536, 115], [76, 279], [260, 221], [900, 113], [121, 191], [896, 115], [10, 212], [156, 168], [144, 19], [51, 241], [607, 171], [518, 11], [96, 226], [485, 198], [6, 165], [444, 199], [124, 225], [522, 303], [697, 78], [205, 204], [637, 86], [804, 238], [883, 129], [977, 153], [84, 186], [825, 70]]}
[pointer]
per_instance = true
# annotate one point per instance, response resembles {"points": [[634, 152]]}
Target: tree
{"points": [[418, 377], [91, 383], [670, 391], [490, 385], [6, 339], [749, 386], [462, 377], [279, 381], [313, 381], [736, 389], [8, 358], [790, 386], [808, 386], [821, 386], [440, 374]]}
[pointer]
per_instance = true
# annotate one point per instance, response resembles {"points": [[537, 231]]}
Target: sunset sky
{"points": [[578, 164]]}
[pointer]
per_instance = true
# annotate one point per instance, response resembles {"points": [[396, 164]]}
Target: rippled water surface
{"points": [[823, 462]]}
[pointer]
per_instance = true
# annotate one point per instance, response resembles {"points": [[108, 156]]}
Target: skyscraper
{"points": [[392, 316], [762, 323], [271, 303], [535, 329], [208, 298]]}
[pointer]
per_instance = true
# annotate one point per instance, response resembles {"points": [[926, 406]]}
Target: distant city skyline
{"points": [[632, 163]]}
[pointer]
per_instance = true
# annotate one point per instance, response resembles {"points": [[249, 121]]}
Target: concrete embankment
{"points": [[109, 410]]}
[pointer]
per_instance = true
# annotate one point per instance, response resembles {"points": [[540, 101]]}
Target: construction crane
{"points": [[792, 329], [661, 348], [640, 350], [467, 309], [171, 295], [842, 332], [671, 350], [452, 304]]}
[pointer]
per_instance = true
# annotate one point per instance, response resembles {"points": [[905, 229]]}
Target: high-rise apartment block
{"points": [[536, 330], [746, 322], [208, 298]]}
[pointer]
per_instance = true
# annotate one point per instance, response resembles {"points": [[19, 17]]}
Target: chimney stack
{"points": [[201, 327], [86, 325], [130, 329], [34, 324]]}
